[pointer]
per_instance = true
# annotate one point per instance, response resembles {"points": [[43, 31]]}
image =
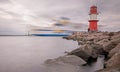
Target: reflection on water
{"points": [[26, 54]]}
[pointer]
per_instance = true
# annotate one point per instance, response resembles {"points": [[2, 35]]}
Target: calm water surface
{"points": [[26, 54]]}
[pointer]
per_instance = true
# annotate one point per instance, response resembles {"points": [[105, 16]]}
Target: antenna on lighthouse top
{"points": [[96, 2]]}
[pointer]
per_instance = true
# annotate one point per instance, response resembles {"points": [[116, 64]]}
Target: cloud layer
{"points": [[13, 13]]}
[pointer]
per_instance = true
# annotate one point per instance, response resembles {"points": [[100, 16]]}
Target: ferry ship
{"points": [[50, 33]]}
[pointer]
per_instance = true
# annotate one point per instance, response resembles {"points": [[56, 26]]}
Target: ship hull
{"points": [[50, 34]]}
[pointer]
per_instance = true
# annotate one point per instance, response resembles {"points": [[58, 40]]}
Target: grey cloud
{"points": [[9, 12], [111, 6], [109, 14], [5, 1], [76, 10]]}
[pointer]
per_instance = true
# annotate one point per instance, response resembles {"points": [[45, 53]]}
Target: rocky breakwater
{"points": [[98, 43], [113, 62]]}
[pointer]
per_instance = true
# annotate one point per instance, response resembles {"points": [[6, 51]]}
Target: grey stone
{"points": [[68, 63], [114, 50], [84, 52], [111, 44], [68, 59], [114, 60]]}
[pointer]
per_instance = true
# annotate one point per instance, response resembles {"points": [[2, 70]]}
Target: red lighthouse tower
{"points": [[93, 19]]}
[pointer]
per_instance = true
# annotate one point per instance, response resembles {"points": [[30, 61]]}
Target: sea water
{"points": [[28, 53]]}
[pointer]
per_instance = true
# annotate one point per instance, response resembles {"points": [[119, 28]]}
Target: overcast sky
{"points": [[15, 13]]}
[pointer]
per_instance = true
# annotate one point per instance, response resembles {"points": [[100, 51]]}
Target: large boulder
{"points": [[97, 50], [111, 44], [83, 52], [68, 63], [88, 51], [115, 50], [114, 60], [67, 59]]}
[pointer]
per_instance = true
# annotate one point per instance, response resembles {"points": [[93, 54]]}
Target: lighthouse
{"points": [[93, 19]]}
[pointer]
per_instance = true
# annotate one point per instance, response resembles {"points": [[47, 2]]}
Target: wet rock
{"points": [[68, 63], [115, 50], [68, 59], [71, 59], [61, 67]]}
